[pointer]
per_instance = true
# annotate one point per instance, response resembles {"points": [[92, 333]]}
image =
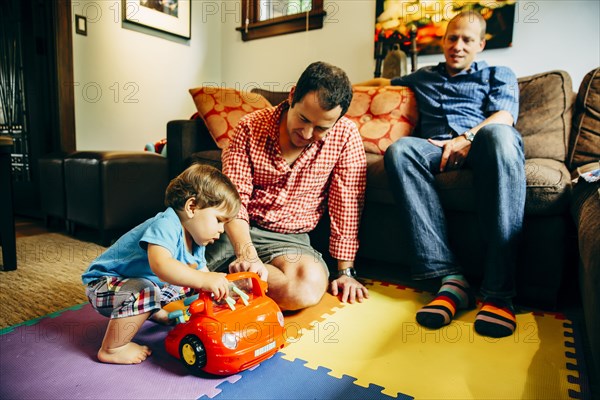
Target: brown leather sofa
{"points": [[548, 246]]}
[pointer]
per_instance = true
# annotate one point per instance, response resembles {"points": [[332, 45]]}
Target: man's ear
{"points": [[482, 46], [189, 207], [291, 95]]}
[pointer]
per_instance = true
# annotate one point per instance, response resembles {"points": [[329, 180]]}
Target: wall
{"points": [[549, 34], [129, 81], [277, 62], [144, 75]]}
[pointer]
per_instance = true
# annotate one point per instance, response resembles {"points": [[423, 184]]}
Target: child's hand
{"points": [[216, 283]]}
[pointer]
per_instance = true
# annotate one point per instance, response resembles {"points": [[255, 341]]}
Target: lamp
{"points": [[386, 44]]}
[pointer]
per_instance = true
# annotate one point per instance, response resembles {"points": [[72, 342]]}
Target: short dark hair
{"points": [[207, 185], [331, 84]]}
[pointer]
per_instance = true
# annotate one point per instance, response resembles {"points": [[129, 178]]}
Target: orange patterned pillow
{"points": [[383, 115], [222, 108]]}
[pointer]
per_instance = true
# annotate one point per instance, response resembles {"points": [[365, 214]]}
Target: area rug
{"points": [[372, 350], [47, 278]]}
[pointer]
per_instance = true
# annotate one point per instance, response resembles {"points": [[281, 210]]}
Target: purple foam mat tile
{"points": [[55, 358]]}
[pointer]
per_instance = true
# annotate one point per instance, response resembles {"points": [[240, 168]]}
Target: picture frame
{"points": [[81, 25], [395, 18], [169, 16]]}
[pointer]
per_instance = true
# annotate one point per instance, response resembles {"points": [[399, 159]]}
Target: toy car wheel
{"points": [[192, 353]]}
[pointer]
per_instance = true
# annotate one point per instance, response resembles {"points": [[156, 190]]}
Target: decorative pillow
{"points": [[545, 114], [222, 108], [585, 136], [383, 115]]}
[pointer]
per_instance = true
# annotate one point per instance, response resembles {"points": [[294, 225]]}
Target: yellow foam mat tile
{"points": [[379, 342]]}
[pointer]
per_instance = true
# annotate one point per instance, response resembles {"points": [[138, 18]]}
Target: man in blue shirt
{"points": [[467, 111]]}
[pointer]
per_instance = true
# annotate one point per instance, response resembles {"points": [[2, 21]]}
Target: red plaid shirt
{"points": [[288, 198]]}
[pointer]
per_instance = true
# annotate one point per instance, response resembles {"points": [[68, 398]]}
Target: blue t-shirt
{"points": [[450, 105], [128, 257]]}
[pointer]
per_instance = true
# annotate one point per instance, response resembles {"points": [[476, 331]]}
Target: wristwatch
{"points": [[351, 272], [469, 135]]}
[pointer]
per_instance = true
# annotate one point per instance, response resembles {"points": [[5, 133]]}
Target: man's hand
{"points": [[455, 152], [241, 265], [350, 289]]}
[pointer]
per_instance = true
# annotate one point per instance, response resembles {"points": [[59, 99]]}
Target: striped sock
{"points": [[453, 295], [496, 318]]}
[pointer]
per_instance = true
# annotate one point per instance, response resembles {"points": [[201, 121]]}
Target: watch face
{"points": [[351, 272]]}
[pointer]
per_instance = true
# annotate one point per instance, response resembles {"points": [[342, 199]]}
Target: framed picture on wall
{"points": [[396, 18], [170, 16]]}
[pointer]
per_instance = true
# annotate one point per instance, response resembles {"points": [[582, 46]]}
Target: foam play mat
{"points": [[371, 350]]}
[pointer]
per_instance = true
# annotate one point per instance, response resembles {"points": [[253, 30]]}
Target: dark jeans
{"points": [[498, 163]]}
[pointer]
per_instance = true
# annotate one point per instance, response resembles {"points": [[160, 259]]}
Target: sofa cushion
{"points": [[585, 136], [222, 108], [548, 187], [545, 112], [383, 115]]}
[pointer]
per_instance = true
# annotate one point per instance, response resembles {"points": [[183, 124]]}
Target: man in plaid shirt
{"points": [[290, 163]]}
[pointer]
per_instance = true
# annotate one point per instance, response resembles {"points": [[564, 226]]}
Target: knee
{"points": [[309, 298], [308, 288], [499, 141], [397, 154]]}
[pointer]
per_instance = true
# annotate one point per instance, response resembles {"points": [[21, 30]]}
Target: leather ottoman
{"points": [[113, 191]]}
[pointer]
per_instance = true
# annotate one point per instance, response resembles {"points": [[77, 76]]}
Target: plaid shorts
{"points": [[116, 297]]}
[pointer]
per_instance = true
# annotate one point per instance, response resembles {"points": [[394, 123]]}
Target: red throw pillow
{"points": [[222, 108], [383, 115]]}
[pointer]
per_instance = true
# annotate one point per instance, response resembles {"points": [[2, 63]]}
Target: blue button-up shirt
{"points": [[450, 105]]}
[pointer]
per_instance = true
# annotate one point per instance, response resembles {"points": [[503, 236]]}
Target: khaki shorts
{"points": [[269, 245]]}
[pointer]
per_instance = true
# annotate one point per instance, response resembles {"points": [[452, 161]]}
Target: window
{"points": [[265, 18]]}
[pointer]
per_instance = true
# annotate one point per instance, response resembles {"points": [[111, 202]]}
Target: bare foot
{"points": [[130, 353], [161, 317]]}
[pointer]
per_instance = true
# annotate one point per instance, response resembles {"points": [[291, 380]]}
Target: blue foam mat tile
{"points": [[268, 381]]}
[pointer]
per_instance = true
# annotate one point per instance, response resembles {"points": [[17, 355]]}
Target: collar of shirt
{"points": [[475, 66]]}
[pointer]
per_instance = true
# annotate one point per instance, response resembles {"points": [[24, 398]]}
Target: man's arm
{"points": [[238, 232], [499, 117], [236, 166], [504, 95], [457, 149], [502, 107], [346, 199]]}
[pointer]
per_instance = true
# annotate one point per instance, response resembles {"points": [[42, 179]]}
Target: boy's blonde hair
{"points": [[209, 186]]}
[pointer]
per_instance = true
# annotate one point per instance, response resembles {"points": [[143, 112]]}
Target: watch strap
{"points": [[469, 135], [350, 271]]}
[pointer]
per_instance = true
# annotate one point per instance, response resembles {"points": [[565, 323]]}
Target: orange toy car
{"points": [[227, 337]]}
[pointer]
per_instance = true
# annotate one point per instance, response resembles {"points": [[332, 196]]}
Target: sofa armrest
{"points": [[273, 97], [184, 138]]}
